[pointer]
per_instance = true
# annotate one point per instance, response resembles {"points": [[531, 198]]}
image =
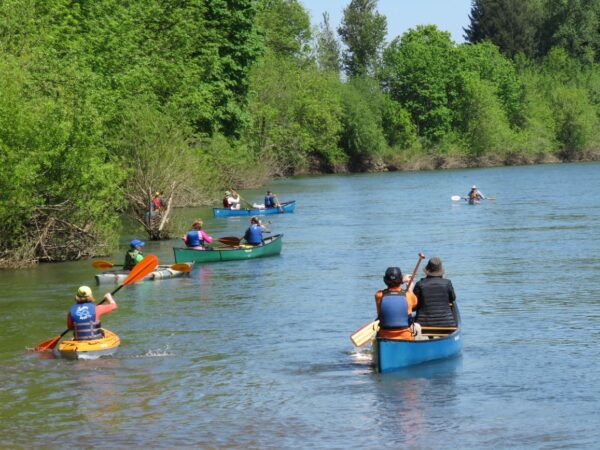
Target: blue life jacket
{"points": [[85, 325], [254, 235], [269, 201], [394, 310], [194, 239]]}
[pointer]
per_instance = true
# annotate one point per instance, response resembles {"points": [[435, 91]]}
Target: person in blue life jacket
{"points": [[254, 233], [271, 200], [134, 254], [84, 315], [395, 306], [197, 238]]}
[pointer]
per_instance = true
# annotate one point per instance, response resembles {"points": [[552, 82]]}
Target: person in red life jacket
{"points": [[395, 306], [197, 237], [134, 254], [254, 233], [157, 203], [84, 315], [226, 203], [435, 296]]}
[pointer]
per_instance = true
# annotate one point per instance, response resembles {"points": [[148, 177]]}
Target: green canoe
{"points": [[271, 246]]}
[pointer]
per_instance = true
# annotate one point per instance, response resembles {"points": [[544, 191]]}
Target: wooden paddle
{"points": [[234, 241], [141, 269], [365, 333], [100, 264]]}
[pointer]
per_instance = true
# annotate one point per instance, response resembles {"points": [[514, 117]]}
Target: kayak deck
{"points": [[93, 349]]}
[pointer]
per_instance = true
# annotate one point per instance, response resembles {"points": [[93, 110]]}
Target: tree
{"points": [[328, 48], [363, 30], [285, 25], [513, 25]]}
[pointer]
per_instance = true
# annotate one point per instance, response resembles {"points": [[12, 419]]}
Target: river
{"points": [[256, 354]]}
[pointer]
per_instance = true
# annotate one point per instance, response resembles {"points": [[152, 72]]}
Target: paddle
{"points": [[365, 333], [456, 198], [141, 269], [100, 264], [234, 241]]}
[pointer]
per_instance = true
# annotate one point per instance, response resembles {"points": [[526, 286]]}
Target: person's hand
{"points": [[108, 298], [407, 279]]}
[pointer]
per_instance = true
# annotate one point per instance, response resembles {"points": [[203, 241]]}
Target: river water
{"points": [[256, 354]]}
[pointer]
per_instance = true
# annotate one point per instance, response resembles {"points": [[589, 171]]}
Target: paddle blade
{"points": [[365, 333], [230, 240], [141, 269], [455, 198], [182, 267], [102, 264], [47, 345]]}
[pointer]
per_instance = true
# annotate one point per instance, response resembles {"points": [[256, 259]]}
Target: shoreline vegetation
{"points": [[102, 105]]}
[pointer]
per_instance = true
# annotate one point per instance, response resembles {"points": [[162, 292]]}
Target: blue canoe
{"points": [[286, 207], [440, 342]]}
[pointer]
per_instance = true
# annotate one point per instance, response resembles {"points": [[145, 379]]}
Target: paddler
{"points": [[254, 233], [134, 254], [84, 315], [395, 306], [475, 195], [196, 238]]}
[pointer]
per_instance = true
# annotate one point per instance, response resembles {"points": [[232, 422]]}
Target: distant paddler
{"points": [[475, 195], [254, 233]]}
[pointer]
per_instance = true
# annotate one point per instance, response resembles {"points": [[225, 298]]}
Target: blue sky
{"points": [[448, 15]]}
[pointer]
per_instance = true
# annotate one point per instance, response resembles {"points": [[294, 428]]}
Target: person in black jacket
{"points": [[435, 296]]}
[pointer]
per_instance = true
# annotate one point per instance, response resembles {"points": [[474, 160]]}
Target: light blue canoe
{"points": [[441, 342], [287, 207]]}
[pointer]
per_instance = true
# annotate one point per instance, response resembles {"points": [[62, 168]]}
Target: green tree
{"points": [[363, 30], [286, 27], [512, 25], [328, 48]]}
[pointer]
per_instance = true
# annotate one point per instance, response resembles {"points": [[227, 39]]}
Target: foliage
{"points": [[328, 47], [286, 27], [363, 31]]}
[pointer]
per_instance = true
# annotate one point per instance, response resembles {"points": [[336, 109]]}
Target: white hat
{"points": [[473, 187]]}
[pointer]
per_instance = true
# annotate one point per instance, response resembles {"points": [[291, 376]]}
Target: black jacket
{"points": [[435, 294]]}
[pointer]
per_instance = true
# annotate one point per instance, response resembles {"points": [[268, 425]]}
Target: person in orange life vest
{"points": [[84, 315], [197, 237], [395, 306]]}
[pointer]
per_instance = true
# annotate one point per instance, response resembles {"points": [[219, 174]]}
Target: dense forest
{"points": [[104, 102]]}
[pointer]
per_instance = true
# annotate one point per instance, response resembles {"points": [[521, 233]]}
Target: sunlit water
{"points": [[256, 354]]}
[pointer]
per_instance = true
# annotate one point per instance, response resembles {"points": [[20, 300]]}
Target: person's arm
{"points": [[451, 293], [378, 296], [109, 306], [69, 322], [205, 237]]}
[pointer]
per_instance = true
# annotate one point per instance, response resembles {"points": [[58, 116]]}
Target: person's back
{"points": [[435, 296], [394, 307], [84, 315], [254, 233]]}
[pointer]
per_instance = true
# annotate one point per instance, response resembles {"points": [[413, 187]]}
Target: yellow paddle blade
{"points": [[102, 264], [365, 333]]}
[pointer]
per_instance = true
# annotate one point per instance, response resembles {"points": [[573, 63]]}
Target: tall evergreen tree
{"points": [[363, 31], [328, 47], [513, 25]]}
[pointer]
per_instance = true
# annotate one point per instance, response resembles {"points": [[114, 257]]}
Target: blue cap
{"points": [[137, 242]]}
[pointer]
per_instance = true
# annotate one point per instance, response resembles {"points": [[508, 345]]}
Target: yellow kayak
{"points": [[90, 349]]}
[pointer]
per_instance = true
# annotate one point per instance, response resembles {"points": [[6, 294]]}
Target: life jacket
{"points": [[226, 202], [85, 325], [194, 239], [254, 235], [433, 308], [131, 259], [394, 310], [269, 201]]}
